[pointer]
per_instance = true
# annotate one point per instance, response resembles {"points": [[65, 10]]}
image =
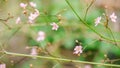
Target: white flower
{"points": [[23, 5], [18, 20], [2, 65], [97, 20], [77, 50], [41, 36], [113, 17], [32, 4], [34, 52], [54, 26]]}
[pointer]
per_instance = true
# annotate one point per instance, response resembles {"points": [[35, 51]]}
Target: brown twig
{"points": [[5, 20]]}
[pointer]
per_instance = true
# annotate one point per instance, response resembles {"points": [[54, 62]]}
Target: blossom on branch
{"points": [[32, 4], [97, 20], [113, 17], [41, 36], [77, 50], [54, 26], [33, 16], [18, 20], [23, 5]]}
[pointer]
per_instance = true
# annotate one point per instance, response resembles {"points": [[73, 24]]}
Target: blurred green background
{"points": [[58, 43]]}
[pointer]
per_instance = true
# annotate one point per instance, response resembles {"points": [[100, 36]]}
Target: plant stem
{"points": [[113, 36], [86, 12], [89, 44], [88, 25], [4, 22], [61, 59], [107, 27]]}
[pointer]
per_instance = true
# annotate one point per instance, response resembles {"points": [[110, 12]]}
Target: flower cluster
{"points": [[32, 15], [24, 5], [31, 18], [113, 18]]}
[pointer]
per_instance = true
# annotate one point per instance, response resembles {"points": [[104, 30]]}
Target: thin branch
{"points": [[61, 59], [113, 60], [107, 27], [13, 34], [2, 56], [5, 20], [5, 24], [88, 25], [113, 36], [89, 44], [1, 46], [86, 12]]}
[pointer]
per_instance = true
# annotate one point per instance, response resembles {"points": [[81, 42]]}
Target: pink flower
{"points": [[23, 5], [37, 12], [113, 17], [77, 50], [34, 52], [33, 16], [18, 20], [41, 36], [32, 4], [2, 65], [54, 26], [97, 20]]}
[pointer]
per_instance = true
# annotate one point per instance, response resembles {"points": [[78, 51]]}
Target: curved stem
{"points": [[107, 27], [11, 36], [86, 12], [90, 44], [2, 56], [88, 25], [113, 36], [114, 60], [61, 59], [4, 22]]}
